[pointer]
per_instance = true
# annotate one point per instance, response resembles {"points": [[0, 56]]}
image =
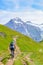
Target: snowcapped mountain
{"points": [[26, 28], [41, 28]]}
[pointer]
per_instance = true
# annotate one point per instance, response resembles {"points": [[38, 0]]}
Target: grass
{"points": [[37, 58], [17, 62], [25, 44]]}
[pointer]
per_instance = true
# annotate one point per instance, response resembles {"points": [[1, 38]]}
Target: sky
{"points": [[27, 10]]}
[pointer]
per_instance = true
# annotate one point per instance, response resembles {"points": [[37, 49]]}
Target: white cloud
{"points": [[34, 16], [27, 13]]}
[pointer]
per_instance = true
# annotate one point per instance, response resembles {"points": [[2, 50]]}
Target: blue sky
{"points": [[29, 9], [19, 5]]}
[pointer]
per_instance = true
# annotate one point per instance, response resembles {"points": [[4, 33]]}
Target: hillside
{"points": [[26, 45]]}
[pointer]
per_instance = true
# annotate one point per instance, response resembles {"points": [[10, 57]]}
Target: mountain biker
{"points": [[12, 48]]}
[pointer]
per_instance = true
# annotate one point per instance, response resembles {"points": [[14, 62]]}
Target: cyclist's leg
{"points": [[12, 53]]}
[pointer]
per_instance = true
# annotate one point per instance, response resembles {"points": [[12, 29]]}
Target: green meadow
{"points": [[26, 45]]}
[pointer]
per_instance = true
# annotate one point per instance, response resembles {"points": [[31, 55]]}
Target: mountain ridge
{"points": [[27, 29]]}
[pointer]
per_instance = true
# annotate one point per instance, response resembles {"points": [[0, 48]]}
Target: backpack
{"points": [[11, 46]]}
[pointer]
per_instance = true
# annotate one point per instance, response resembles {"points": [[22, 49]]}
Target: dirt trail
{"points": [[1, 63], [10, 62], [17, 52], [23, 62], [29, 59]]}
